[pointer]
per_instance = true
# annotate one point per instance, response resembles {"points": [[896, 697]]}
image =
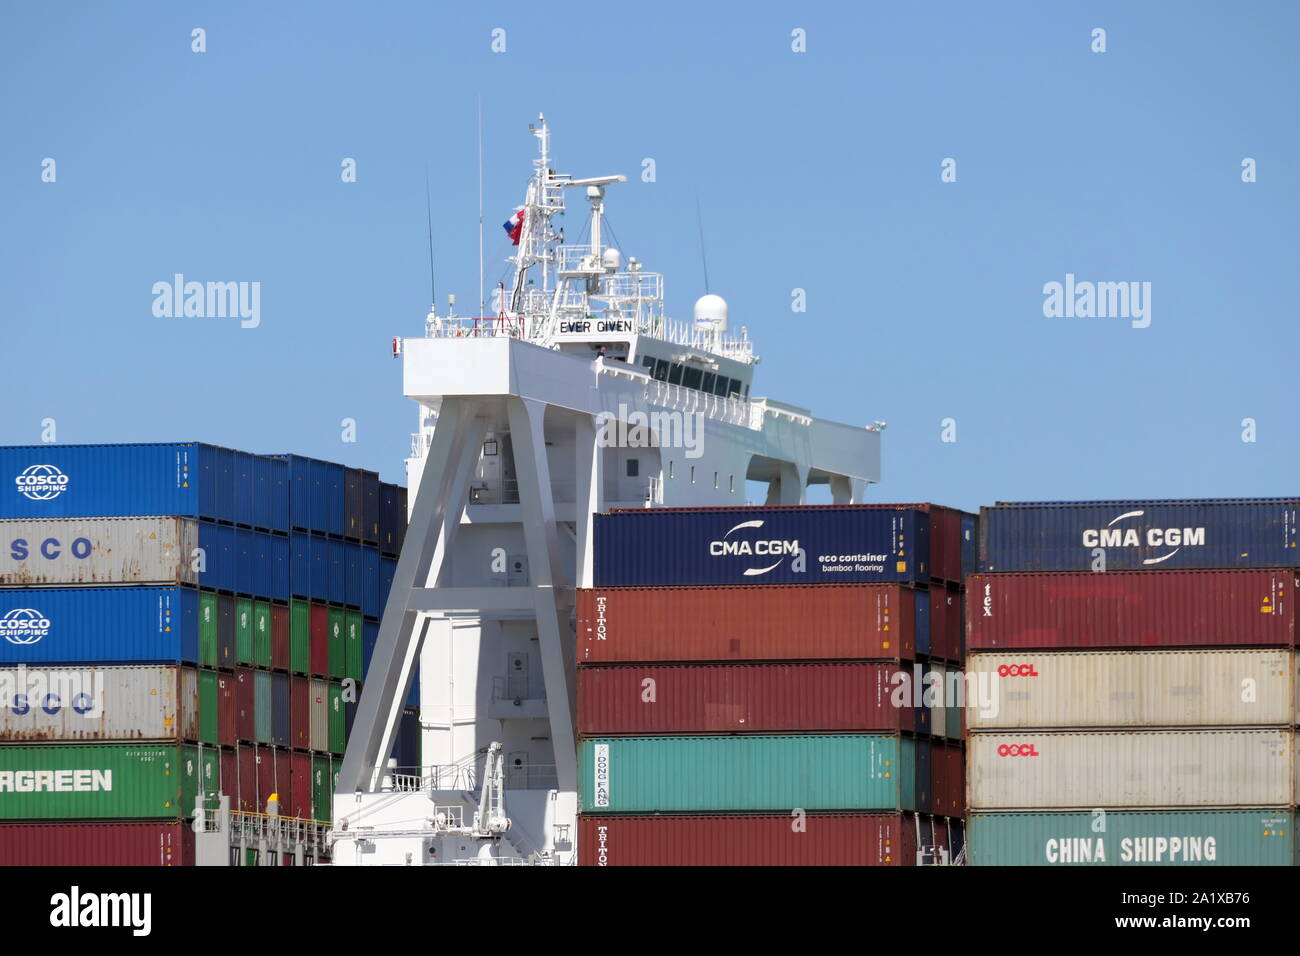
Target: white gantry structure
{"points": [[577, 396]]}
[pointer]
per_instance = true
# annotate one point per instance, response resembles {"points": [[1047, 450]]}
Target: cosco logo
{"points": [[41, 482], [1017, 750], [1017, 670], [20, 549], [23, 626]]}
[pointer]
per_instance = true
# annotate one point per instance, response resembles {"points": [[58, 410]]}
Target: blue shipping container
{"points": [[387, 568], [187, 479], [371, 603], [1133, 535], [96, 625], [820, 544]]}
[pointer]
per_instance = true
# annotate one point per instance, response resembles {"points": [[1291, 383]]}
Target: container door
{"points": [[244, 631], [207, 629]]}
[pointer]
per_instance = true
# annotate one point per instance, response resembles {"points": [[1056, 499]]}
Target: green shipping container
{"points": [[244, 631], [952, 716], [352, 652], [323, 780], [208, 707], [207, 629], [338, 722], [338, 643], [300, 637], [262, 720], [262, 633], [1118, 838], [104, 781], [707, 774]]}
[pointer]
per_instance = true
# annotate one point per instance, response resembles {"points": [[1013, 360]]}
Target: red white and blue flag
{"points": [[514, 227]]}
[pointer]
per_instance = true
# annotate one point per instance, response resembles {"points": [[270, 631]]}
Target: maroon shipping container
{"points": [[300, 713], [947, 771], [299, 796], [245, 723], [268, 775], [244, 793], [739, 698], [320, 640], [227, 711], [230, 777], [945, 623], [1131, 609], [280, 637], [96, 844], [775, 839], [773, 622]]}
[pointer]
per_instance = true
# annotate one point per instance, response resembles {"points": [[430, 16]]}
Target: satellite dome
{"points": [[711, 313]]}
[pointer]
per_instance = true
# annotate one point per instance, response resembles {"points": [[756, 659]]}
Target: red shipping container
{"points": [[1131, 609], [272, 775], [945, 537], [739, 698], [945, 623], [956, 783], [773, 622], [775, 839], [320, 640], [299, 797], [246, 781], [938, 776], [96, 844], [300, 713], [245, 724], [227, 710], [280, 637], [230, 777]]}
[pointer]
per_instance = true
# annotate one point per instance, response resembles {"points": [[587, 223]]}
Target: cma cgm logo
{"points": [[742, 547], [41, 482], [1131, 537], [24, 626], [1017, 750]]}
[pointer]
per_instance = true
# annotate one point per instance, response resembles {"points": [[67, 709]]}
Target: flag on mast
{"points": [[514, 227]]}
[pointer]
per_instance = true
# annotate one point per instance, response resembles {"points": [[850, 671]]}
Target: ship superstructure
{"points": [[577, 395]]}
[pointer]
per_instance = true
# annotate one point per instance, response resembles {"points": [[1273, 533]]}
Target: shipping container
{"points": [[245, 704], [300, 698], [280, 642], [816, 544], [320, 640], [1068, 689], [104, 781], [263, 707], [353, 568], [731, 624], [74, 481], [96, 844], [299, 804], [352, 645], [709, 774], [324, 782], [406, 748], [353, 503], [209, 708], [281, 733], [208, 654], [1132, 609], [225, 630], [387, 570], [1132, 535], [372, 603], [750, 839], [337, 551], [120, 624], [246, 786], [370, 508], [300, 637], [1117, 838], [338, 734], [261, 634], [227, 710], [1031, 770], [143, 702], [337, 643], [641, 699], [243, 631], [319, 716], [945, 623]]}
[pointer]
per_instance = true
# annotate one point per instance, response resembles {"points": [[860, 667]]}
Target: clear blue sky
{"points": [[817, 170]]}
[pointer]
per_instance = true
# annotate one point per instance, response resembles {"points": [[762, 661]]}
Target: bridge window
{"points": [[661, 370], [723, 383], [691, 377], [708, 381], [734, 387], [634, 467], [649, 362], [675, 375]]}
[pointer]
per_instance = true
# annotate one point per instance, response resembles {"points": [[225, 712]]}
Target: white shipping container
{"points": [[939, 711], [1147, 689], [96, 702], [319, 724], [71, 551], [1125, 769]]}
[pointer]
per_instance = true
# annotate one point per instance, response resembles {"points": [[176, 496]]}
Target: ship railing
{"points": [[655, 491], [506, 492], [725, 408], [486, 327], [465, 777]]}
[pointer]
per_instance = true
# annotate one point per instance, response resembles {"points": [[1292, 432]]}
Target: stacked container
{"points": [[1140, 684], [751, 686], [161, 646]]}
